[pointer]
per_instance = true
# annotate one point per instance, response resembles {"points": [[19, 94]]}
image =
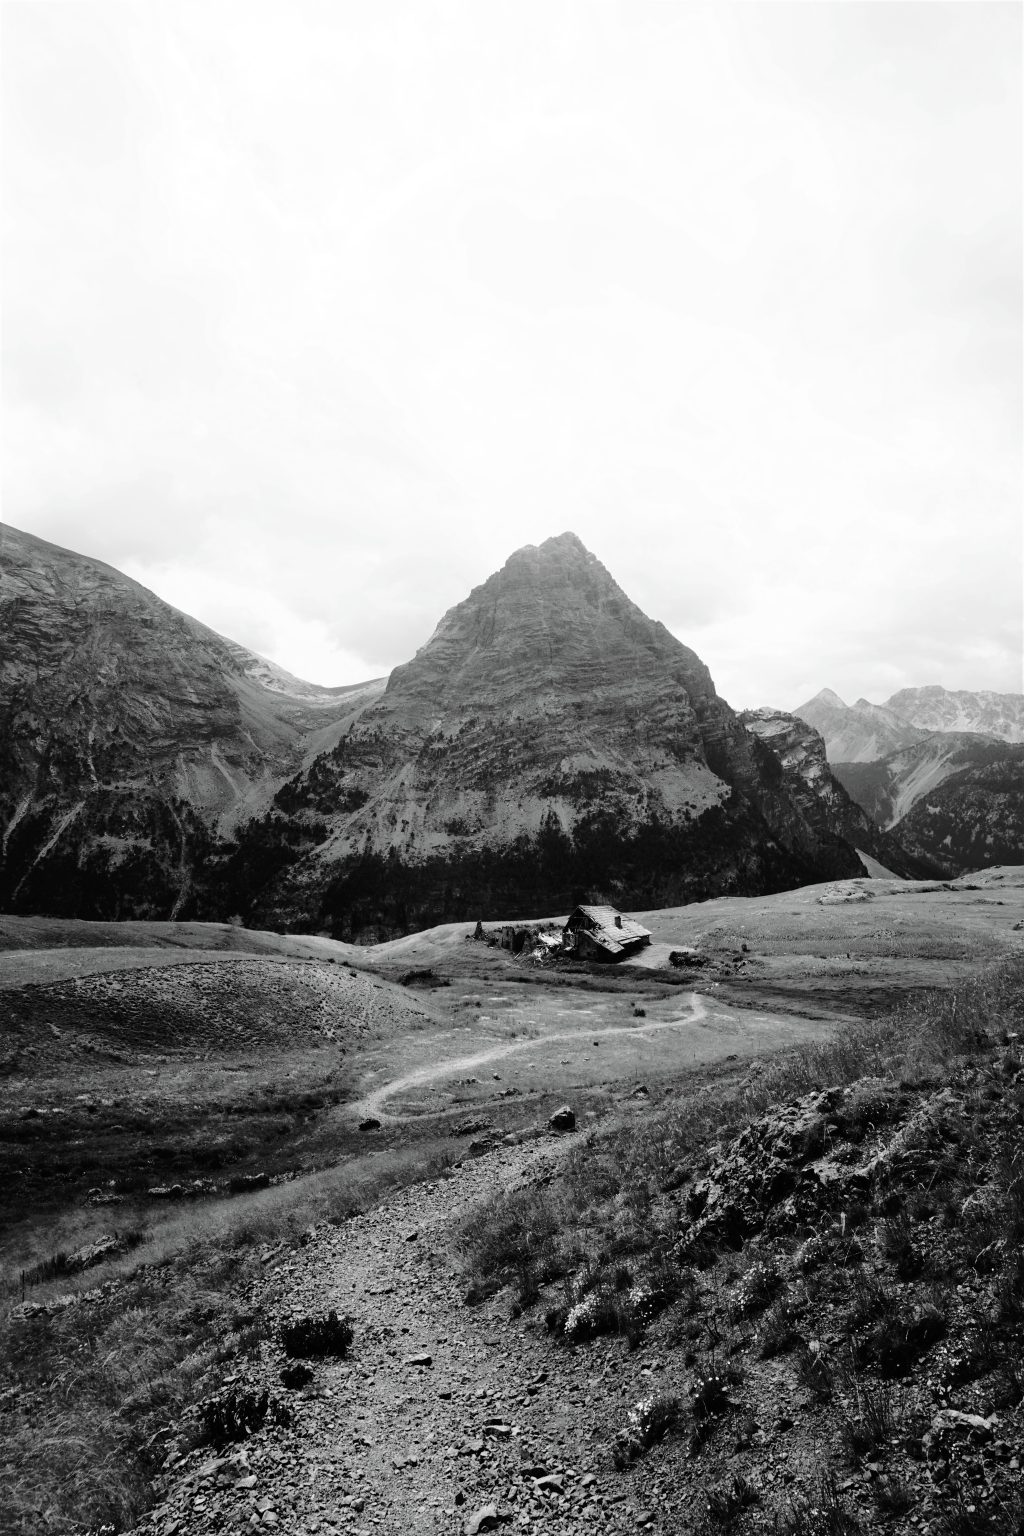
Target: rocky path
{"points": [[445, 1418]]}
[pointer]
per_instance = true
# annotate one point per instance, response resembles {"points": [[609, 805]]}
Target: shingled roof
{"points": [[611, 929]]}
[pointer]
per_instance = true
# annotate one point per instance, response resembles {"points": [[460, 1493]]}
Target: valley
{"points": [[171, 1089]]}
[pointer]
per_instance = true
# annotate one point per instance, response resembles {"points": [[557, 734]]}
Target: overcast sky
{"points": [[314, 312]]}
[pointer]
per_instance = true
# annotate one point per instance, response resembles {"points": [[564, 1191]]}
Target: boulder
{"points": [[563, 1119], [485, 1519]]}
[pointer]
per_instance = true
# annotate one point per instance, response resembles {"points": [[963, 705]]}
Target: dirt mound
{"points": [[219, 1008]]}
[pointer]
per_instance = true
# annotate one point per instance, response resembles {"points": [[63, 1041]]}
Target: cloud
{"points": [[316, 313]]}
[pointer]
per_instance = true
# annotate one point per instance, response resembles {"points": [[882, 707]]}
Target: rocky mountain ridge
{"points": [[864, 732], [979, 710], [975, 818]]}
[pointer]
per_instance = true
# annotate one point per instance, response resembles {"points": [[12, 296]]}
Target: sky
{"points": [[314, 312]]}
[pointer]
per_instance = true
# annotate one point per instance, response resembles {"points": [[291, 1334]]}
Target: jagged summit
{"points": [[559, 546]]}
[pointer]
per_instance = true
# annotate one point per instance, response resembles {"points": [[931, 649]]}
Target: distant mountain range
{"points": [[944, 771], [549, 743], [864, 732]]}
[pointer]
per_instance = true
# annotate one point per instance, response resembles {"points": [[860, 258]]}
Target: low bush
{"points": [[647, 1422], [316, 1338], [238, 1413], [727, 1502]]}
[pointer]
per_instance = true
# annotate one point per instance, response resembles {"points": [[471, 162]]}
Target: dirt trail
{"points": [[442, 1409], [699, 1014]]}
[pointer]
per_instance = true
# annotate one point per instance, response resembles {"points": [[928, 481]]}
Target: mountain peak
{"points": [[826, 699]]}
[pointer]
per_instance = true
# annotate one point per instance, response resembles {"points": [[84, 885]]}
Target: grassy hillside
{"points": [[830, 1257]]}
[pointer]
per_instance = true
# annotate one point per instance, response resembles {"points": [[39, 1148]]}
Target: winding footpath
{"points": [[372, 1103]]}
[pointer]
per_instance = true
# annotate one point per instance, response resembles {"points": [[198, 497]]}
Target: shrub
{"points": [[647, 1422], [296, 1376], [315, 1338], [755, 1288], [237, 1414], [873, 1424], [779, 1333], [728, 1501], [896, 1245], [825, 1515], [814, 1373]]}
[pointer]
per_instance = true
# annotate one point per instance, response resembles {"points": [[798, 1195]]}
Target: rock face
{"points": [[130, 735], [857, 733], [549, 744], [822, 797]]}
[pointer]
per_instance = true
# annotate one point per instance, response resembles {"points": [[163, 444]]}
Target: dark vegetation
{"points": [[975, 818], [316, 1338], [138, 855], [725, 851]]}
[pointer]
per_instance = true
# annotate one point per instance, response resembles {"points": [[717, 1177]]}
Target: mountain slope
{"points": [[975, 818], [129, 734], [548, 742], [822, 796], [889, 788], [857, 733]]}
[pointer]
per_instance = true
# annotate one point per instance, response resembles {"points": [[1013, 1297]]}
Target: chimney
{"points": [[618, 920]]}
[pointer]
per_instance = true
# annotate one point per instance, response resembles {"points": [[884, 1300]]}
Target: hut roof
{"points": [[611, 929]]}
